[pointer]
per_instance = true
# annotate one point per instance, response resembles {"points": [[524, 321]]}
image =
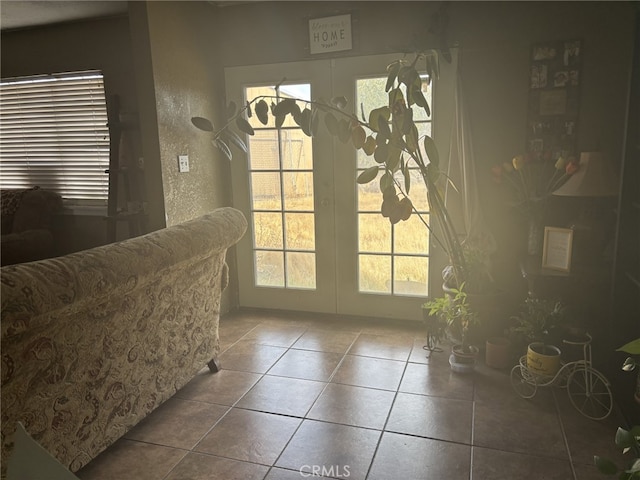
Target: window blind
{"points": [[54, 134]]}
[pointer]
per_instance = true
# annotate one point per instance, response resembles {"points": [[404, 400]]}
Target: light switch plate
{"points": [[183, 163]]}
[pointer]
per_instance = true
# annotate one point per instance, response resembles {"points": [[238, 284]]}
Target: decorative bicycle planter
{"points": [[588, 389]]}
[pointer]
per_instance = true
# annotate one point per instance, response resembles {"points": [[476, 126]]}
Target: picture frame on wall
{"points": [[554, 97], [557, 248]]}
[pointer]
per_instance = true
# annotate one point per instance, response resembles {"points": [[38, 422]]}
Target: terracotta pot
{"points": [[498, 352]]}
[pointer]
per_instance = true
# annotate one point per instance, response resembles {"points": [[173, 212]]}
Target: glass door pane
{"points": [[282, 200], [392, 259]]}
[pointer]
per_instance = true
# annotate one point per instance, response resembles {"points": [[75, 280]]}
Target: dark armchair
{"points": [[26, 224]]}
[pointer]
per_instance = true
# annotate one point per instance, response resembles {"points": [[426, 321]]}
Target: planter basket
{"points": [[498, 353], [543, 359]]}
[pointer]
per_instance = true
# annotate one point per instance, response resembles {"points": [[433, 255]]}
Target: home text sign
{"points": [[330, 34]]}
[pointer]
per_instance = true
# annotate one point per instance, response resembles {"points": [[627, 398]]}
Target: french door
{"points": [[316, 240]]}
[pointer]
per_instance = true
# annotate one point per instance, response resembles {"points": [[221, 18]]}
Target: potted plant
{"points": [[435, 328], [632, 362], [627, 441], [454, 310], [485, 298], [537, 324]]}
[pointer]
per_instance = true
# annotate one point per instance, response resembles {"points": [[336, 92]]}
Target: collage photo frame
{"points": [[554, 98]]}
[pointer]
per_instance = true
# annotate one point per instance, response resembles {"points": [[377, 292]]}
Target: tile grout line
{"points": [[384, 427], [473, 428], [564, 434], [302, 419]]}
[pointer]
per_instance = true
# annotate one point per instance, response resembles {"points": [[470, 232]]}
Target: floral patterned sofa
{"points": [[94, 341]]}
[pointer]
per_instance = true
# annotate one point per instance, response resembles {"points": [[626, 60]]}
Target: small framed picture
{"points": [[553, 102], [556, 250]]}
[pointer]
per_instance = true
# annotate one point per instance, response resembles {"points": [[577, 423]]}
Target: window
{"points": [[54, 134]]}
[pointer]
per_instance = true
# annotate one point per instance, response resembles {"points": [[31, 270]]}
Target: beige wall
{"points": [[183, 57], [101, 44]]}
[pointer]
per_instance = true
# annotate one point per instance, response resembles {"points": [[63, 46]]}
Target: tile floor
{"points": [[300, 395]]}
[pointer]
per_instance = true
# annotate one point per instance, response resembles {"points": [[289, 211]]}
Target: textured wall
{"points": [[183, 55], [183, 79]]}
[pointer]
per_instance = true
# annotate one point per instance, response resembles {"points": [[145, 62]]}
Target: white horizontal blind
{"points": [[54, 134]]}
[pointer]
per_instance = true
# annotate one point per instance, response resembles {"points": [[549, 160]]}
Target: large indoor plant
{"points": [[387, 133]]}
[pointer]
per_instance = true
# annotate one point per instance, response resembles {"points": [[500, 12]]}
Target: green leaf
{"points": [[407, 75], [434, 66], [202, 124], [249, 112], [262, 112], [624, 438], [393, 159], [285, 106], [383, 128], [304, 121], [331, 124], [412, 139], [295, 110], [232, 108], [223, 147], [322, 103], [629, 364], [344, 130], [315, 122], [244, 126], [419, 99], [358, 136], [233, 137], [368, 175], [432, 151], [407, 121], [605, 465], [635, 467], [381, 154], [632, 347], [340, 102], [280, 120], [393, 74], [426, 109], [407, 178], [376, 114], [369, 146], [386, 181], [395, 96]]}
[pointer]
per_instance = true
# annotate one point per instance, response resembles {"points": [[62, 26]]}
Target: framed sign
{"points": [[330, 34], [556, 251]]}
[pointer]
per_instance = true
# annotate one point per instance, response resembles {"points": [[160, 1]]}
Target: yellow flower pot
{"points": [[543, 359]]}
